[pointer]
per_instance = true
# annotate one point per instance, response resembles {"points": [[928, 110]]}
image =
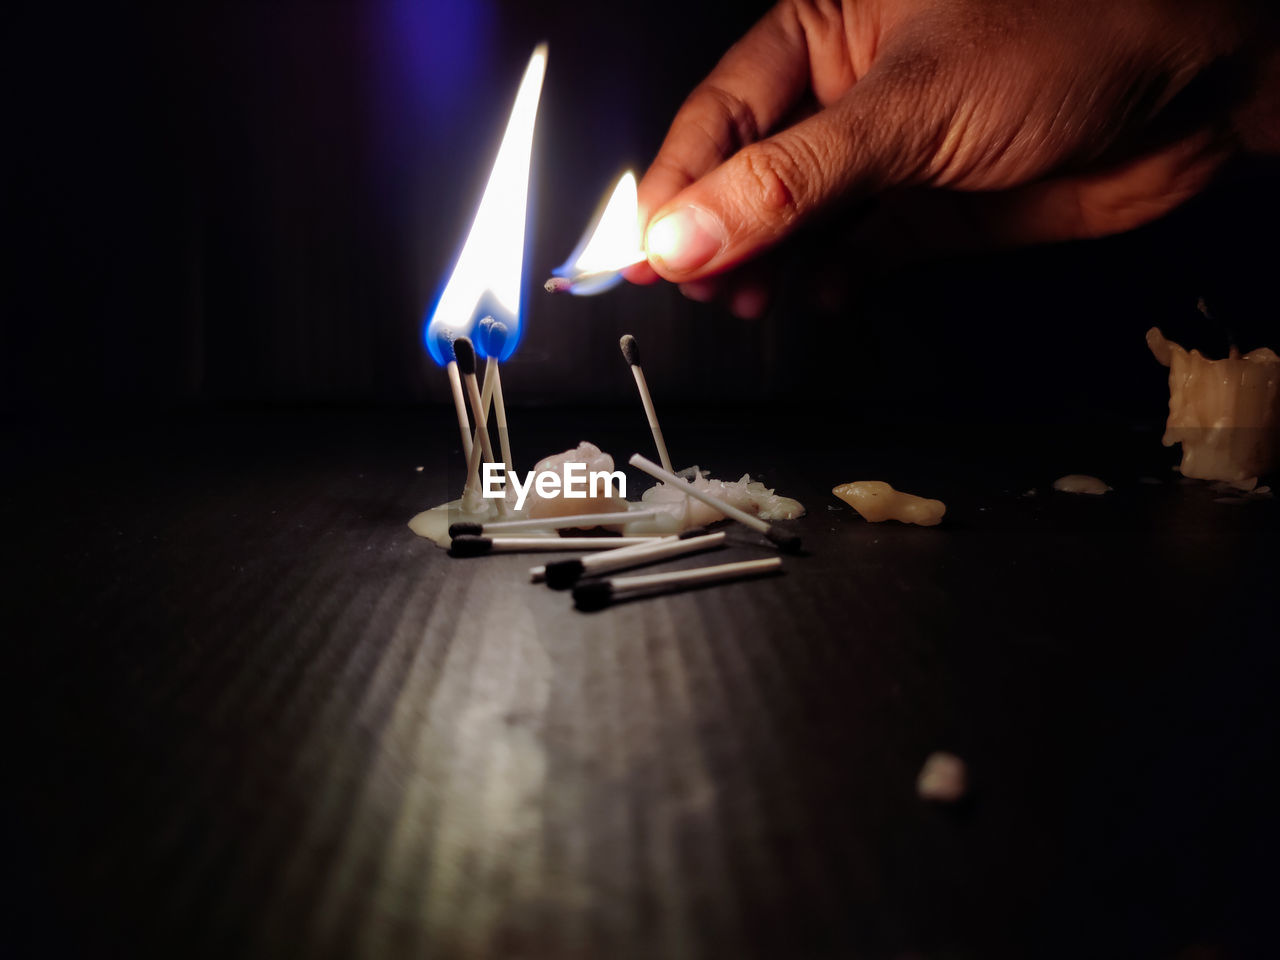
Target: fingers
{"points": [[874, 137], [754, 85], [1107, 202]]}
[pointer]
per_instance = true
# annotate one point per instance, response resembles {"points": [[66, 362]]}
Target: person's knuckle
{"points": [[735, 114], [780, 175]]}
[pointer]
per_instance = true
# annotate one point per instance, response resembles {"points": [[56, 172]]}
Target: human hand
{"points": [[1001, 121]]}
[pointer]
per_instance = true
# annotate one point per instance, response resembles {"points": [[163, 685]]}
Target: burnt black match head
{"points": [[593, 595], [563, 574], [470, 546], [630, 349], [465, 353], [466, 528], [786, 541]]}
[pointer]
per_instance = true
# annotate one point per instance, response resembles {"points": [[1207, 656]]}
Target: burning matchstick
{"points": [[466, 354], [495, 341], [459, 404]]}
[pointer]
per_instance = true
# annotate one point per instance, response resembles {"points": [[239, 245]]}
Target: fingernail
{"points": [[686, 239]]}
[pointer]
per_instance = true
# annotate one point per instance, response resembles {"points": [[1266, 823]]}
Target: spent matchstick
{"points": [[565, 573], [789, 542], [478, 546], [466, 354], [631, 351], [597, 594], [617, 518]]}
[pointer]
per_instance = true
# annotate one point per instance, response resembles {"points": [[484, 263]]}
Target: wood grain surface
{"points": [[255, 716]]}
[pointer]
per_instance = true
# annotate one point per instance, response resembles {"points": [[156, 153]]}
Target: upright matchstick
{"points": [[497, 340], [459, 405], [466, 354], [631, 351]]}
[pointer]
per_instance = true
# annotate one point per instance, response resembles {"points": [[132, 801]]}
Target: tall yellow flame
{"points": [[492, 259]]}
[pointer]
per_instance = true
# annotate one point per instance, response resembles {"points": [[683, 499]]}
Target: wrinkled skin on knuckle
{"points": [[1036, 89], [767, 184]]}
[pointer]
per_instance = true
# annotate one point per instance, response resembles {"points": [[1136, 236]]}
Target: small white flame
{"points": [[614, 241], [492, 259]]}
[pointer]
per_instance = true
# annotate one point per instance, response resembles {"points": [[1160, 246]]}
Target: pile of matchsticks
{"points": [[588, 577]]}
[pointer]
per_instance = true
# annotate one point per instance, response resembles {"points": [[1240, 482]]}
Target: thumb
{"points": [[861, 144]]}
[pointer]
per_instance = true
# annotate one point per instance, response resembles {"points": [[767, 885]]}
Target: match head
{"points": [[630, 349], [496, 340], [558, 285], [465, 353], [786, 541], [470, 546], [465, 528], [593, 595], [563, 574]]}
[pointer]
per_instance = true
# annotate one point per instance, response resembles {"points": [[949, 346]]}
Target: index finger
{"points": [[752, 87]]}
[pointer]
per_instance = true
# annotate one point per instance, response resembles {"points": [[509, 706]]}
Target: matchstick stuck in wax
{"points": [[631, 352], [496, 341], [789, 542]]}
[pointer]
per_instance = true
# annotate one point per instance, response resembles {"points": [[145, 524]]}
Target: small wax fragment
{"points": [[1080, 483], [942, 778], [877, 501]]}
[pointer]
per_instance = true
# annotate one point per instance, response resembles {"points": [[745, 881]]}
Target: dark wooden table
{"points": [[253, 715]]}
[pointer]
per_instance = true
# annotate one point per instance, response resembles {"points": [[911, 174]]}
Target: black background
{"points": [[259, 202]]}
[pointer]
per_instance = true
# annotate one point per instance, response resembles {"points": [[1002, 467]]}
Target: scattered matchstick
{"points": [[538, 574], [597, 594], [631, 351], [494, 344], [565, 573], [617, 518], [466, 354], [468, 546], [789, 542]]}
